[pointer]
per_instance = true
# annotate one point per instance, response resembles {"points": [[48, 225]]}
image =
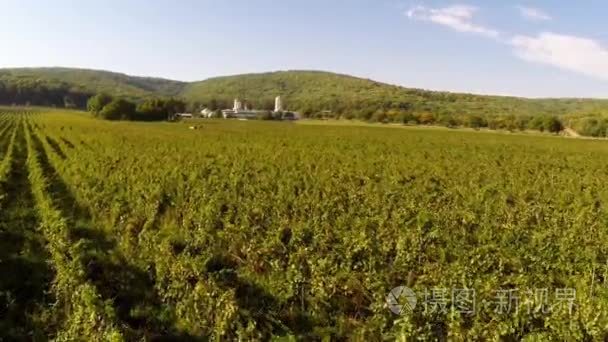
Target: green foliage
{"points": [[553, 124], [173, 106], [591, 124], [60, 86], [97, 103], [425, 119], [262, 230], [158, 109], [476, 121], [312, 92], [545, 123], [84, 315], [379, 116], [537, 123], [119, 109]]}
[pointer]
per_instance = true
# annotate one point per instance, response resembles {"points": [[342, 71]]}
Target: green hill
{"points": [[312, 92], [100, 81], [71, 87]]}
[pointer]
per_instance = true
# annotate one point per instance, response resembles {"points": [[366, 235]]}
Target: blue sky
{"points": [[530, 48]]}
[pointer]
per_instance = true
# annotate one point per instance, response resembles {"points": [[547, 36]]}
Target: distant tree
{"points": [[496, 123], [96, 103], [213, 104], [405, 118], [173, 106], [404, 105], [510, 122], [118, 109], [426, 118], [590, 127], [521, 122], [366, 113], [448, 121], [392, 115], [349, 115], [151, 110], [194, 107], [266, 104], [157, 109], [476, 121], [537, 123], [553, 124], [379, 116]]}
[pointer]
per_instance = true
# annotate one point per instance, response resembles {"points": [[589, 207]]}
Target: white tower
{"points": [[238, 105], [278, 104]]}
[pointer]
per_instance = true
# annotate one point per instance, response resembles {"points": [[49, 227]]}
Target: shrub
{"points": [[96, 103], [119, 109]]}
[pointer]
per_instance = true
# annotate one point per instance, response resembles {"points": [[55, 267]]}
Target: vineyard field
{"points": [[123, 231]]}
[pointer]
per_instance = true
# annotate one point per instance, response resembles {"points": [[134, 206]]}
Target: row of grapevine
{"points": [[254, 230], [131, 296], [26, 276], [6, 156], [87, 317]]}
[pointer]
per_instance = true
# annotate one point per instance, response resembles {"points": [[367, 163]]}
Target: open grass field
{"points": [[260, 230]]}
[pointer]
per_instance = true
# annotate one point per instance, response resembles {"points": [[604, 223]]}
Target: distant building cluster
{"points": [[240, 110]]}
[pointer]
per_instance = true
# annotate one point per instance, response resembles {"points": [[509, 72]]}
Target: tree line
{"points": [[36, 92], [543, 123], [593, 127], [155, 109]]}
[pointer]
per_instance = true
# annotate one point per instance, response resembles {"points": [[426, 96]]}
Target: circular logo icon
{"points": [[401, 300]]}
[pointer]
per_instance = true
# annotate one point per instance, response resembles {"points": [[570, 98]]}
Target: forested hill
{"points": [[313, 93], [71, 87]]}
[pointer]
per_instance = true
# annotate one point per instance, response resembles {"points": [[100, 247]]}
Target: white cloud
{"points": [[457, 17], [578, 54], [533, 14]]}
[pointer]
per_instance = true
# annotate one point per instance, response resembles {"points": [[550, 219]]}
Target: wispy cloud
{"points": [[578, 54], [534, 14], [457, 17], [568, 52]]}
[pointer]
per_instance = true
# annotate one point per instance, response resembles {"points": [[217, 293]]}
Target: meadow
{"points": [[267, 230]]}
